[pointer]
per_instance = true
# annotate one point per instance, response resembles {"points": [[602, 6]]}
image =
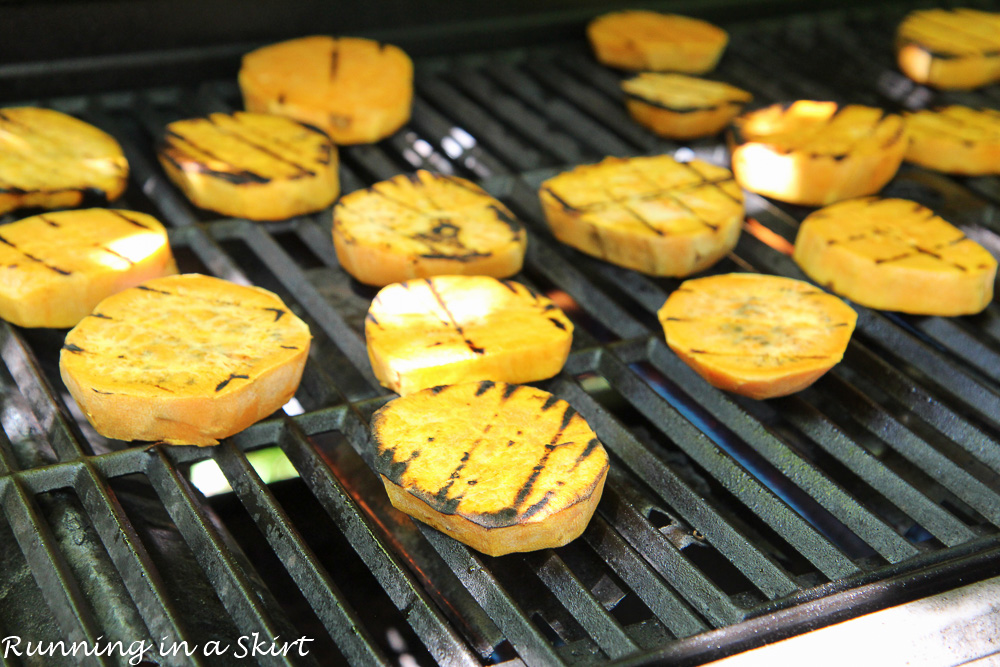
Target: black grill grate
{"points": [[725, 522]]}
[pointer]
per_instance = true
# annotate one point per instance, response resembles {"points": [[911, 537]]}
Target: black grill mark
{"points": [[289, 347], [116, 254], [98, 391], [302, 171], [438, 389], [451, 317], [144, 288], [371, 318], [562, 202], [71, 347], [558, 324], [334, 61], [537, 507], [50, 223], [549, 402], [587, 451], [504, 216], [508, 392], [484, 387], [232, 376], [127, 218], [100, 316], [236, 176], [278, 313], [509, 284]]}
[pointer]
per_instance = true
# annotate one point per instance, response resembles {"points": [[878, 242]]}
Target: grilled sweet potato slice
{"points": [[356, 90], [682, 107], [425, 225], [950, 48], [500, 467], [250, 165], [185, 360], [955, 140], [644, 40], [759, 336], [651, 214], [55, 267], [452, 329], [816, 153], [51, 160], [894, 254]]}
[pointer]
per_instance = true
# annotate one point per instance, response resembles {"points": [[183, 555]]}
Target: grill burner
{"points": [[726, 523]]}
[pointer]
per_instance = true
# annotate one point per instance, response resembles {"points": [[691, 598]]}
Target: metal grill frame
{"points": [[915, 396]]}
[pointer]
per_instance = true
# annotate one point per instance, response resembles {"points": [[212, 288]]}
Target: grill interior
{"points": [[725, 523]]}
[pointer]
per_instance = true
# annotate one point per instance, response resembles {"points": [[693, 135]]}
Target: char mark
{"points": [[549, 402], [127, 218], [278, 313], [562, 202], [484, 387], [70, 347], [587, 451], [232, 376], [144, 288], [558, 324], [509, 391]]}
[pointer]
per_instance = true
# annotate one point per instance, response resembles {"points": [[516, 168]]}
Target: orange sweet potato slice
{"points": [[51, 160], [452, 329], [185, 360], [55, 267], [252, 166], [500, 467], [816, 153], [644, 40], [955, 140], [356, 90], [651, 214], [425, 225], [950, 48], [755, 335], [682, 107], [894, 254]]}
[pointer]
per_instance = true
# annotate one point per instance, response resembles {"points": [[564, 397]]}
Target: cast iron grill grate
{"points": [[725, 521]]}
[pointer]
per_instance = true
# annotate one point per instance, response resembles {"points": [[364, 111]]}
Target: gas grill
{"points": [[726, 523]]}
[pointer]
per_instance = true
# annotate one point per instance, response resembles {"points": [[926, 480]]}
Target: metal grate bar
{"points": [[459, 146], [480, 124], [961, 344], [536, 129], [399, 585], [703, 595], [526, 639], [764, 574], [297, 558], [582, 604], [585, 94], [811, 480], [243, 597], [735, 479], [585, 130], [920, 453], [131, 559], [49, 568], [644, 582], [825, 434]]}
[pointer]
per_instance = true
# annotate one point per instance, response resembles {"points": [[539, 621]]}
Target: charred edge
{"points": [[438, 389], [70, 347], [392, 469], [144, 288], [100, 316], [98, 391], [505, 216], [568, 415], [558, 324], [484, 387], [464, 184], [371, 318], [289, 347], [897, 135], [334, 62], [550, 307], [894, 259], [508, 392], [678, 319], [924, 251], [415, 177], [127, 218], [50, 223], [587, 451], [549, 402], [278, 313], [232, 376], [537, 507], [562, 202], [680, 109], [509, 284]]}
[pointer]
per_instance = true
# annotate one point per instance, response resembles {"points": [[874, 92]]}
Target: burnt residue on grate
{"points": [[725, 522]]}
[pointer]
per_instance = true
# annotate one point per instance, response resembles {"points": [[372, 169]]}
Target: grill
{"points": [[726, 523]]}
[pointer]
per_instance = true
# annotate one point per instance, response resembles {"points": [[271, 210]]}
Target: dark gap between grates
{"points": [[189, 590], [304, 255], [243, 529]]}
